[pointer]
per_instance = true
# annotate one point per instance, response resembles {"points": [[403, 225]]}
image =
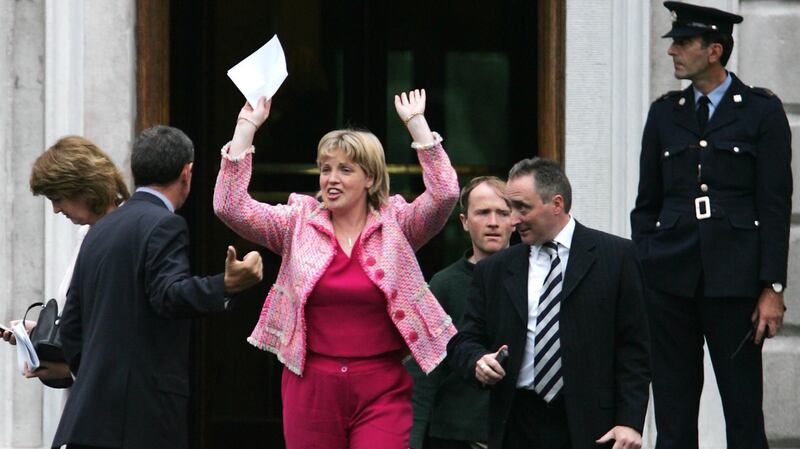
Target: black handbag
{"points": [[46, 340]]}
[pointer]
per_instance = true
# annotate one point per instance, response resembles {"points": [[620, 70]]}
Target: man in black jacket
{"points": [[711, 225], [568, 304], [125, 326]]}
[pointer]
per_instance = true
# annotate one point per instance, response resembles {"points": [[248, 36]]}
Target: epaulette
{"points": [[669, 94], [763, 91]]}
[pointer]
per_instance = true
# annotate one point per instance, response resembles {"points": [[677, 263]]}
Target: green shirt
{"points": [[444, 405]]}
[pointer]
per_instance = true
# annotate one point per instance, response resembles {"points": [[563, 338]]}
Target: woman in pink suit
{"points": [[349, 301]]}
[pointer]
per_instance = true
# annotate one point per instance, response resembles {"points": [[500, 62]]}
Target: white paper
{"points": [[261, 73], [25, 351]]}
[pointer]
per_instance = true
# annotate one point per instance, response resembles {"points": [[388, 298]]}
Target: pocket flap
{"points": [[672, 150], [667, 220], [736, 147], [745, 220]]}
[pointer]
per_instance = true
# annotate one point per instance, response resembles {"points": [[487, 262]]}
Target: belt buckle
{"points": [[702, 207]]}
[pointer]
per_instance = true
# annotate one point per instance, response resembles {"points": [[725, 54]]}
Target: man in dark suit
{"points": [[125, 326], [568, 304], [711, 225]]}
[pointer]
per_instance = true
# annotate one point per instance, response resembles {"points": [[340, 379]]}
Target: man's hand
{"points": [[624, 438], [49, 370], [240, 275], [488, 370], [768, 314]]}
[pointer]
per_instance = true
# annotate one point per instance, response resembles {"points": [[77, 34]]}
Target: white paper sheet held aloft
{"points": [[261, 73]]}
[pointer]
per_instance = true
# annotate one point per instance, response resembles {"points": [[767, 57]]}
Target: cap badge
{"points": [[674, 16]]}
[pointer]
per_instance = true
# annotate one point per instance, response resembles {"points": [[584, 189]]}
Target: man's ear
{"points": [[715, 53], [558, 203], [186, 172], [463, 219]]}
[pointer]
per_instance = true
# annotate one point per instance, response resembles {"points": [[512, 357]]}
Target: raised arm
{"points": [[258, 222], [427, 214]]}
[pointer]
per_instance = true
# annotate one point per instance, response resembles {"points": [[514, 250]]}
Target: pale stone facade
{"points": [[68, 67]]}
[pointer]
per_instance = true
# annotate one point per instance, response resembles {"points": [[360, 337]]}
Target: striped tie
{"points": [[547, 379]]}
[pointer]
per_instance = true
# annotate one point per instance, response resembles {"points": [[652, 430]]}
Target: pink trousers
{"points": [[347, 404]]}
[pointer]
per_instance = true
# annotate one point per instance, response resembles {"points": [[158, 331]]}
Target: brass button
{"points": [[666, 154], [735, 149], [756, 223], [704, 187], [703, 144], [658, 224]]}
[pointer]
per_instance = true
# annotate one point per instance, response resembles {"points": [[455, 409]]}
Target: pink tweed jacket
{"points": [[301, 232]]}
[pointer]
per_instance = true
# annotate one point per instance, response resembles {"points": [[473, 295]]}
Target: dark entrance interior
{"points": [[346, 59]]}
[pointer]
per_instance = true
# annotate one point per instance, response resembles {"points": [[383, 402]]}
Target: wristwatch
{"points": [[777, 287]]}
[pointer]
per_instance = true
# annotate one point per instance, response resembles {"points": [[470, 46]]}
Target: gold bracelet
{"points": [[247, 120], [408, 119]]}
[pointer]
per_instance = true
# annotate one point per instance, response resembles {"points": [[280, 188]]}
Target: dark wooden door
{"points": [[478, 63]]}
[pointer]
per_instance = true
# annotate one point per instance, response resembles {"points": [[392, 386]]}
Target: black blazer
{"points": [[125, 330], [603, 329], [742, 163]]}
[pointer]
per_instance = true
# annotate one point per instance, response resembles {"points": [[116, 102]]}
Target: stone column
{"points": [[21, 229]]}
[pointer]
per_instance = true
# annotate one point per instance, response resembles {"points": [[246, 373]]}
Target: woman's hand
{"points": [[49, 370], [9, 336], [255, 116], [410, 105], [410, 108]]}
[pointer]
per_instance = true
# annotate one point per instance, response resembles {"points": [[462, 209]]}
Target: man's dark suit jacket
{"points": [[603, 330], [125, 330]]}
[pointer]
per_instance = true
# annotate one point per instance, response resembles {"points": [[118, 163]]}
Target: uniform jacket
{"points": [[603, 334], [125, 330], [741, 163], [301, 232]]}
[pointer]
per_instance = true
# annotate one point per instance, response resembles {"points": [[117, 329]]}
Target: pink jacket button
{"points": [[370, 261], [399, 315], [379, 274], [393, 295], [413, 337]]}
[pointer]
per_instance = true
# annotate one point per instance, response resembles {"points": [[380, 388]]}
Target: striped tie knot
{"points": [[550, 247]]}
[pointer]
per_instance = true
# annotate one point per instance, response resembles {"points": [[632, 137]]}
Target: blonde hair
{"points": [[366, 151], [74, 168]]}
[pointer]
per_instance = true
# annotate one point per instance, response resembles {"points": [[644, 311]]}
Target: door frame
{"points": [[152, 71]]}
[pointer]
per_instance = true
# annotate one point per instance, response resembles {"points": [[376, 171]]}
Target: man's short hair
{"points": [[159, 155], [550, 180], [494, 182], [724, 39]]}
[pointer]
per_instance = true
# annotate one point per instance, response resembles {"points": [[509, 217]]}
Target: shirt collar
{"points": [[158, 195], [563, 238], [715, 96]]}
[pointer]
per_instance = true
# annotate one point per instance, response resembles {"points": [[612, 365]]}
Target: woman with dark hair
{"points": [[350, 300]]}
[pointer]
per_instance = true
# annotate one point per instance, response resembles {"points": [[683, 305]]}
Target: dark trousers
{"points": [[677, 328], [535, 424]]}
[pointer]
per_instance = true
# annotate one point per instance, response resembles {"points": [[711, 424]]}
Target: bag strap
{"points": [[25, 317]]}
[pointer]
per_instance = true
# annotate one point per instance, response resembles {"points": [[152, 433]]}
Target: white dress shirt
{"points": [[538, 267]]}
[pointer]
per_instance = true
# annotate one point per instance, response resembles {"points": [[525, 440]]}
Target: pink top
{"points": [[346, 313]]}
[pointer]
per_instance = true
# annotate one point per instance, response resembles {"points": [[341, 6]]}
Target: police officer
{"points": [[711, 224]]}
